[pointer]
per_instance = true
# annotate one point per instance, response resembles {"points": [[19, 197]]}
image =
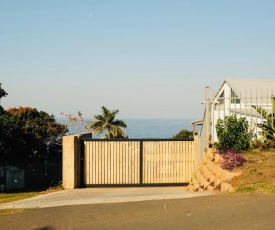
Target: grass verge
{"points": [[11, 211], [20, 195], [9, 197], [258, 173]]}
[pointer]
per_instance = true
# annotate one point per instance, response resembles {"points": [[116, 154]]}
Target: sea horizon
{"points": [[149, 127]]}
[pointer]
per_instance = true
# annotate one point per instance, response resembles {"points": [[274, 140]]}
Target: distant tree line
{"points": [[184, 133]]}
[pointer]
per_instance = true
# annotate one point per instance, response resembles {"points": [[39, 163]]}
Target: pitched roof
{"points": [[244, 87], [265, 87]]}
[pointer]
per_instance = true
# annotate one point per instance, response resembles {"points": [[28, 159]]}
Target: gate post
{"points": [[70, 161]]}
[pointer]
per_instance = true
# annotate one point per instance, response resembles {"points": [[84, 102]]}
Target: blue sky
{"points": [[147, 58]]}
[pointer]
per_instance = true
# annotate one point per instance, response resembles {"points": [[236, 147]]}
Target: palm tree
{"points": [[107, 121]]}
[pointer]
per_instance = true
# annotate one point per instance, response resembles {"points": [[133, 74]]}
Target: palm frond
{"points": [[107, 121], [120, 123]]}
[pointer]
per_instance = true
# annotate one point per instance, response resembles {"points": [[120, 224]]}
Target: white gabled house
{"points": [[237, 96]]}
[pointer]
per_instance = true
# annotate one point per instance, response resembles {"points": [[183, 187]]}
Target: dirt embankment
{"points": [[258, 173]]}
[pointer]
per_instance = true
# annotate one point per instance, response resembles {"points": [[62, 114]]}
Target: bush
{"points": [[233, 134], [232, 159], [266, 144], [184, 133]]}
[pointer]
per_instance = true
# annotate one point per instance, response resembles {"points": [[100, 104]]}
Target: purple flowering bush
{"points": [[232, 159]]}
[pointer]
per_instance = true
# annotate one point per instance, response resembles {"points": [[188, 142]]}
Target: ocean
{"points": [[152, 128]]}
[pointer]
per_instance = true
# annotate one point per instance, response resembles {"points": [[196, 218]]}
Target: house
{"points": [[238, 96]]}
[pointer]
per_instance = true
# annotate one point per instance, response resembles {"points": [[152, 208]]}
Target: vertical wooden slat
{"points": [[127, 163], [123, 163], [86, 176], [103, 163], [96, 163], [157, 163], [120, 163], [144, 169], [137, 160], [184, 161], [192, 151], [150, 163], [133, 153], [135, 163], [98, 150], [86, 163], [189, 159], [111, 156], [167, 161], [92, 154], [178, 162], [163, 173], [170, 156], [100, 164], [105, 175], [174, 169], [130, 150], [152, 155], [116, 145]]}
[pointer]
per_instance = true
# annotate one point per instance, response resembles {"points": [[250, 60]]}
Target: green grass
{"points": [[267, 187], [9, 197], [11, 211]]}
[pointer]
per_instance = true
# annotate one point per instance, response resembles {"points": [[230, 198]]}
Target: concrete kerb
{"points": [[103, 195]]}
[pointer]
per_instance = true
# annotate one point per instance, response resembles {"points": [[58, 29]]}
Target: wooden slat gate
{"points": [[136, 162]]}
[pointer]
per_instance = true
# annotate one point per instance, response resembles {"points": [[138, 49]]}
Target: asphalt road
{"points": [[225, 211]]}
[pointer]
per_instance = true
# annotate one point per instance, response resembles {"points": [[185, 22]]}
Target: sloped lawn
{"points": [[258, 173]]}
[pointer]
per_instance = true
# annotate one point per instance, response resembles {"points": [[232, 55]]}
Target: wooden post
{"points": [[273, 108], [207, 117]]}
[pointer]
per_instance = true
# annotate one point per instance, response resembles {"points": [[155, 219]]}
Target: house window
{"points": [[220, 102], [221, 98], [234, 98]]}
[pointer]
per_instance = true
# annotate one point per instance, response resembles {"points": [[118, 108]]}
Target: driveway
{"points": [[224, 211], [104, 195]]}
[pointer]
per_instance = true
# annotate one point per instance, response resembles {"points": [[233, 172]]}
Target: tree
{"points": [[3, 93], [30, 135], [107, 121], [184, 133], [233, 134]]}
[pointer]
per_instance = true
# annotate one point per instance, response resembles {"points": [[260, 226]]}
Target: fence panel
{"points": [[138, 162], [17, 175], [111, 162], [167, 161]]}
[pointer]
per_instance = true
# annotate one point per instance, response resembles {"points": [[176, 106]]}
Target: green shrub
{"points": [[184, 133], [233, 134]]}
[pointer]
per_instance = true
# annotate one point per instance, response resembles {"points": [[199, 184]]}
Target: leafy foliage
{"points": [[30, 135], [184, 133], [3, 93], [107, 121], [233, 134], [266, 144], [268, 131], [232, 159]]}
